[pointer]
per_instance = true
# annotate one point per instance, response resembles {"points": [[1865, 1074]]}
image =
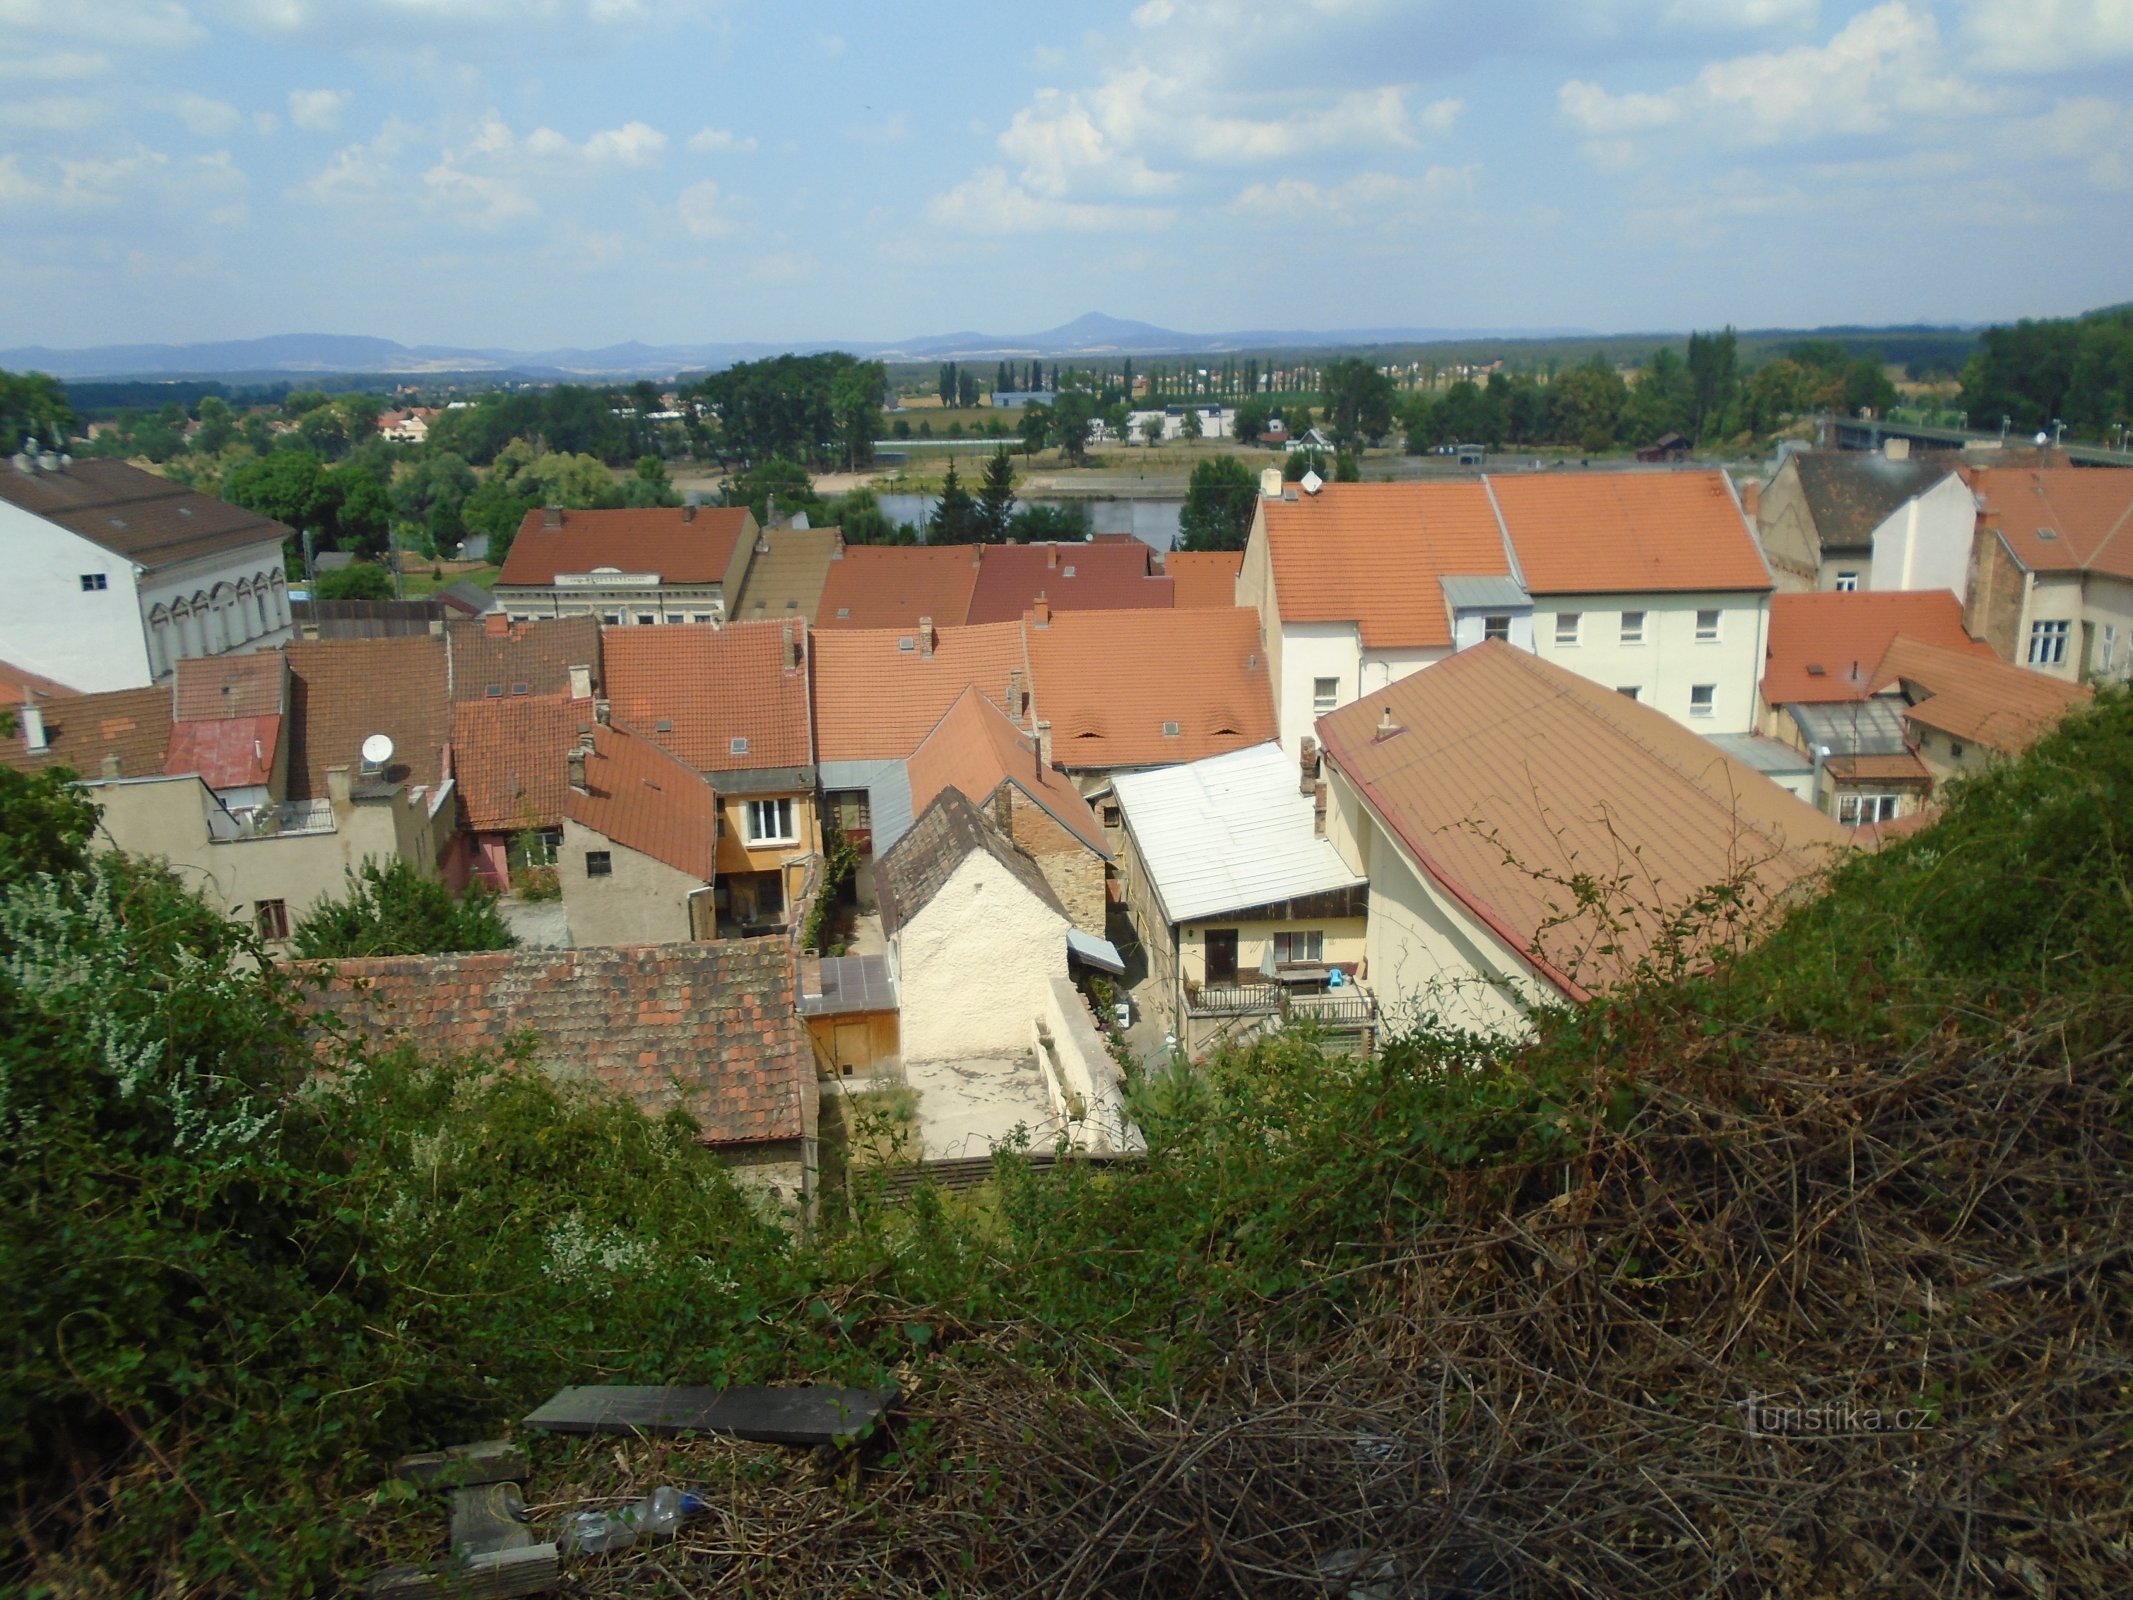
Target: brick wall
{"points": [[1075, 872], [1995, 596]]}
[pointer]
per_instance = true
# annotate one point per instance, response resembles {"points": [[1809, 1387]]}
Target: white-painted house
{"points": [[1650, 583], [113, 575]]}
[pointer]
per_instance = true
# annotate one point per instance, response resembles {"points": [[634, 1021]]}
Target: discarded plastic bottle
{"points": [[658, 1515], [596, 1533]]}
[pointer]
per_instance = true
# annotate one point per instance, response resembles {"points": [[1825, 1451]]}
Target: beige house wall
{"points": [[973, 966], [1087, 1093], [664, 603], [1787, 533], [735, 856], [642, 901], [166, 819], [1670, 660], [1075, 872]]}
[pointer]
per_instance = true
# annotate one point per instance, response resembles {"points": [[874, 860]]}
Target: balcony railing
{"points": [[289, 819], [1350, 1006]]}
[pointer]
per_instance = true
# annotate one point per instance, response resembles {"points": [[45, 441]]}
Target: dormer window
{"points": [[1496, 627]]}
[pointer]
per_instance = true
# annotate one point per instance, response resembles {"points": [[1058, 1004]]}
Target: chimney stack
{"points": [[925, 638], [33, 734], [836, 544], [1014, 693], [1042, 611], [1386, 727], [1318, 811], [575, 761], [792, 648], [770, 510], [1270, 483], [581, 682], [113, 767], [497, 624], [338, 792], [688, 511], [602, 712], [1044, 742], [1309, 764], [1051, 558], [551, 516]]}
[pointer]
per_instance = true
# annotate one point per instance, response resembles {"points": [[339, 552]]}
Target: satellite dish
{"points": [[1312, 483], [377, 750]]}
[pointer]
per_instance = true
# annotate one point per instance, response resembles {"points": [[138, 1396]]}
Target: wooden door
{"points": [[1221, 955]]}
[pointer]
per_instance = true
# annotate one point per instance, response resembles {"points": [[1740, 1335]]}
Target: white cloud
{"points": [[1059, 147], [66, 114], [2048, 35], [210, 119], [318, 110], [782, 266], [1372, 197], [701, 213], [1882, 66], [2093, 133], [830, 44], [1439, 116], [480, 200], [634, 144], [1739, 16], [717, 141], [49, 66], [990, 202]]}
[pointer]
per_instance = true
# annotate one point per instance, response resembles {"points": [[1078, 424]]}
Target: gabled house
{"points": [[735, 705], [638, 861], [628, 568], [1113, 572], [785, 574], [1965, 709], [2053, 585], [1476, 797], [1202, 579], [1841, 520], [114, 575], [1245, 911], [871, 587]]}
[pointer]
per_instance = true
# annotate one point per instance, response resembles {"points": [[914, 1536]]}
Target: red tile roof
{"points": [[892, 586], [1096, 575], [879, 692], [1375, 554], [1505, 768], [1629, 533], [132, 724], [495, 654], [2087, 511], [343, 690], [695, 689], [226, 752], [1204, 578], [205, 687], [1823, 646], [682, 544], [17, 684], [708, 1028], [975, 749], [647, 801], [1976, 696], [1116, 683], [508, 756]]}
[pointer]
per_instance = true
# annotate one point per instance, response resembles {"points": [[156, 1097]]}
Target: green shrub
{"points": [[394, 911]]}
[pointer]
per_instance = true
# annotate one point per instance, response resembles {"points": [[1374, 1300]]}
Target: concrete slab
{"points": [[539, 924], [966, 1107]]}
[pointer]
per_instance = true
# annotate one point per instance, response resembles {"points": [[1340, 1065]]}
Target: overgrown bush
{"points": [[394, 911]]}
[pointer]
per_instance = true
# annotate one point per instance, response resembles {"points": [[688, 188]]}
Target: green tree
{"points": [[649, 485], [33, 404], [1250, 422], [395, 911], [1714, 381], [432, 494], [1358, 401], [362, 511], [777, 477], [996, 498], [324, 431], [359, 580], [288, 485], [1036, 428], [1154, 426], [1662, 401], [863, 521], [1302, 459], [495, 510], [1585, 404], [1220, 498], [1072, 411], [1035, 524], [1867, 388], [955, 515], [216, 429], [1189, 426], [855, 404]]}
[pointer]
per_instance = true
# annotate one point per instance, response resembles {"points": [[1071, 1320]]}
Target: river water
{"points": [[1153, 521]]}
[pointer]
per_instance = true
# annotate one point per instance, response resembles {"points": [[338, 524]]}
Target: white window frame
{"points": [[1301, 944], [1496, 627], [2047, 642], [1633, 627], [1847, 582], [1708, 634], [1569, 625], [1325, 695], [2110, 649], [1707, 705], [779, 812], [1859, 810]]}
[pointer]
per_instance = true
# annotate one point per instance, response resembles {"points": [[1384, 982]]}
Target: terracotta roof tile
{"points": [[1843, 635], [226, 752], [1204, 578], [343, 690], [495, 661], [132, 724], [974, 749], [1375, 554], [1500, 753], [206, 687], [1095, 575], [683, 544], [1114, 684], [1976, 696], [145, 518], [17, 684], [786, 574], [707, 1028], [647, 801], [879, 692], [695, 690], [2088, 512], [892, 586], [508, 755], [1629, 533]]}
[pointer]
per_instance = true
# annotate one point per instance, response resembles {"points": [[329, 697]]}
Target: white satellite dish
{"points": [[1312, 483], [377, 750]]}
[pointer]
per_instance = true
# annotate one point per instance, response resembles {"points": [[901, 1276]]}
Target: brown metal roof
{"points": [[147, 519]]}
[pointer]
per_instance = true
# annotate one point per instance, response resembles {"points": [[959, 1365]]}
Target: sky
{"points": [[534, 174]]}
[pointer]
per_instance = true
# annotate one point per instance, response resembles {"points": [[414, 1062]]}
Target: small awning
{"points": [[1096, 952]]}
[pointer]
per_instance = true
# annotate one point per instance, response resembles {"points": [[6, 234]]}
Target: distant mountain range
{"points": [[291, 355]]}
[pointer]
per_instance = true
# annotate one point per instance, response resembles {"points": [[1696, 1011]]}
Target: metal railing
{"points": [[1351, 1006], [289, 819]]}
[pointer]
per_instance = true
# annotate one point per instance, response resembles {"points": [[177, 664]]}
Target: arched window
{"points": [[259, 602], [203, 627], [280, 612], [245, 613], [160, 660]]}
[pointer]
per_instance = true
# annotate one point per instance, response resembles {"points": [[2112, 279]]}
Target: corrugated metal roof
{"points": [[1228, 832], [1097, 952], [1761, 752]]}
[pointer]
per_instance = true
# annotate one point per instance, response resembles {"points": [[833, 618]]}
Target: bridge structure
{"points": [[1871, 433]]}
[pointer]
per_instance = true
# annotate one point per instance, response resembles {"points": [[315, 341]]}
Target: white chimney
{"points": [[33, 734], [1270, 483], [581, 683]]}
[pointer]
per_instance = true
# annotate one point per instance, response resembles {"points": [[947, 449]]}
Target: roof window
{"points": [[907, 644], [494, 691], [663, 725], [737, 746], [522, 688], [1171, 730], [844, 612], [2047, 534]]}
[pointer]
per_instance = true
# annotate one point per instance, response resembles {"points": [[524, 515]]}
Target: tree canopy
{"points": [[1219, 501], [395, 911], [816, 409]]}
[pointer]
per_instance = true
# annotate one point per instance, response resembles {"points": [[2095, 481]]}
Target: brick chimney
{"points": [[1309, 763], [925, 638], [497, 625], [1318, 811], [1014, 692], [1044, 742], [1051, 558], [1042, 611], [792, 648], [551, 516], [574, 762], [688, 512]]}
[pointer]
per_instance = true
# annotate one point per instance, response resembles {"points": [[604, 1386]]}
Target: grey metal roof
{"points": [[1763, 753], [888, 789], [1097, 952], [836, 986], [1855, 728], [1228, 832], [1477, 594]]}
